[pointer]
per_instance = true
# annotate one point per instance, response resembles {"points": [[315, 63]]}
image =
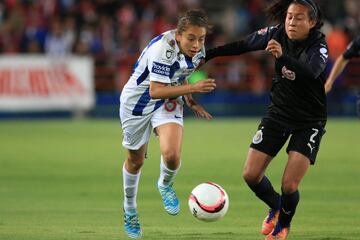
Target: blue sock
{"points": [[265, 191], [288, 207]]}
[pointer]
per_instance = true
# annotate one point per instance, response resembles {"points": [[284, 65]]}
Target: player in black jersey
{"points": [[352, 51], [297, 109]]}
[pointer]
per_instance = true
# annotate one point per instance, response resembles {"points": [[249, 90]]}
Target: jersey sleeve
{"points": [[255, 41], [353, 49], [159, 62], [316, 64]]}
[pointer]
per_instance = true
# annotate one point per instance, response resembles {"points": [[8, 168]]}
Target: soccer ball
{"points": [[208, 202]]}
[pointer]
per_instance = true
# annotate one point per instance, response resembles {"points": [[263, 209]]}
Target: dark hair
{"points": [[277, 11], [195, 17]]}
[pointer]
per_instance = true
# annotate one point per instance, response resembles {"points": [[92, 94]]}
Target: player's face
{"points": [[298, 23], [191, 40]]}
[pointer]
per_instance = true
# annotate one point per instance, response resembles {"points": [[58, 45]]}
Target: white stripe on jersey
{"points": [[160, 61]]}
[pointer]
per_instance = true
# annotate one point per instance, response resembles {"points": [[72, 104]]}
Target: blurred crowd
{"points": [[115, 31], [96, 27]]}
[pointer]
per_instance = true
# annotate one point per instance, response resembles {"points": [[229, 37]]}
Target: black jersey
{"points": [[297, 92], [353, 49]]}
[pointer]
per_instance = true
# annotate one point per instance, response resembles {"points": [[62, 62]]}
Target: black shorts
{"points": [[271, 137]]}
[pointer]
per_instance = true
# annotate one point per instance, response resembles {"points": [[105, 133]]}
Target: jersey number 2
{"points": [[316, 131]]}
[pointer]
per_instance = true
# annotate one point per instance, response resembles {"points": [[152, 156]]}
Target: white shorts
{"points": [[137, 129]]}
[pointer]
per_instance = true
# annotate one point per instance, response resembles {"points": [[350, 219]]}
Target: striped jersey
{"points": [[160, 61]]}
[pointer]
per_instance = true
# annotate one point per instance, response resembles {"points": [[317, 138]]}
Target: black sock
{"points": [[265, 191], [288, 207]]}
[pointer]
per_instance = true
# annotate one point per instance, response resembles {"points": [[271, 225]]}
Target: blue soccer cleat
{"points": [[170, 201], [132, 224]]}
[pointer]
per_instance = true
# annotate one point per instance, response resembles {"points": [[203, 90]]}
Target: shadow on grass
{"points": [[215, 235], [330, 238]]}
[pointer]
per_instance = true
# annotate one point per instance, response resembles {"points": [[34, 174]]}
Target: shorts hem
{"points": [[166, 122], [312, 161], [136, 147], [262, 150]]}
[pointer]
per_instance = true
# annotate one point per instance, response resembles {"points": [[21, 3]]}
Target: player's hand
{"points": [[204, 86], [328, 87], [274, 48], [201, 112]]}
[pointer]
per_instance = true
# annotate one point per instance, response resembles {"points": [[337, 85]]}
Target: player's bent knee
{"points": [[250, 178], [289, 187], [171, 156], [172, 159], [135, 163]]}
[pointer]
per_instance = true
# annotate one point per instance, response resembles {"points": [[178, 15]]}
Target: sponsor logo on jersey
{"points": [[288, 73], [161, 69], [258, 137], [262, 31], [324, 54], [169, 54], [170, 105]]}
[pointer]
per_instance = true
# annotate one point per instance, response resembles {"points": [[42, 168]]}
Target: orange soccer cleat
{"points": [[269, 222], [279, 233]]}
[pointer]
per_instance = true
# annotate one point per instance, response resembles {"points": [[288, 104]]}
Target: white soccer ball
{"points": [[208, 202]]}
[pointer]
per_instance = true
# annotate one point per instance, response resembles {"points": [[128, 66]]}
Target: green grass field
{"points": [[62, 180]]}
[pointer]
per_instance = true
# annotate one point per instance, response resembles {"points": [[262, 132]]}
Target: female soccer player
{"points": [[297, 109], [352, 51], [151, 100]]}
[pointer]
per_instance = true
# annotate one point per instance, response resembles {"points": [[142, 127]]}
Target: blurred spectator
{"points": [[89, 36], [33, 46], [337, 41], [352, 17], [35, 29], [236, 75], [2, 10], [106, 34], [57, 43]]}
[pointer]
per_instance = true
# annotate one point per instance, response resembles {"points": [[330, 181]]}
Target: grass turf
{"points": [[62, 180]]}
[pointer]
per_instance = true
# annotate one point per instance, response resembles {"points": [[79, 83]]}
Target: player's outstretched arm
{"points": [[338, 67], [163, 91]]}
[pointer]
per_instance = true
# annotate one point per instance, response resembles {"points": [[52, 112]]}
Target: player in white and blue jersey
{"points": [[152, 100]]}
